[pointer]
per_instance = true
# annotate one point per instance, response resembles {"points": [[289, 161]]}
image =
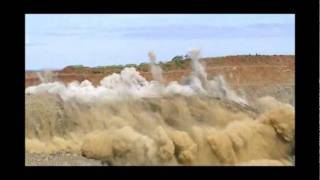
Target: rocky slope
{"points": [[251, 76]]}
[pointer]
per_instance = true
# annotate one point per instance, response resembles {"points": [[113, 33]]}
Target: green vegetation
{"points": [[177, 58], [103, 66], [76, 66], [130, 65], [166, 67], [177, 62], [143, 67]]}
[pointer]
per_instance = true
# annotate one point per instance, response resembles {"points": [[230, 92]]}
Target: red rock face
{"points": [[239, 71]]}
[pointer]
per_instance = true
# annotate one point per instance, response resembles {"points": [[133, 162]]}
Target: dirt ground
{"points": [[60, 159]]}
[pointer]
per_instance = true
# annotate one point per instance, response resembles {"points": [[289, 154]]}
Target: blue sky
{"points": [[58, 40]]}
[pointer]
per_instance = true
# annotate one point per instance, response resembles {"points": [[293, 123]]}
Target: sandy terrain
{"points": [[60, 159]]}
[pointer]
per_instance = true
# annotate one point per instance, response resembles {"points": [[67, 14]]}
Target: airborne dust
{"points": [[127, 120]]}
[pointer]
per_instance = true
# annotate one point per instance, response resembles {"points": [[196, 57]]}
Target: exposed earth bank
{"points": [[251, 76]]}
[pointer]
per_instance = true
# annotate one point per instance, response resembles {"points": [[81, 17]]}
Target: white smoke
{"points": [[197, 69], [156, 70], [46, 76], [130, 84], [217, 87]]}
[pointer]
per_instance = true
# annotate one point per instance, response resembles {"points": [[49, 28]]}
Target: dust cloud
{"points": [[127, 120]]}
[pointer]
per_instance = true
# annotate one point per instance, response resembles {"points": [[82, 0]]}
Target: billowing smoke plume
{"points": [[127, 120], [130, 84], [197, 69], [155, 69], [216, 87], [46, 76]]}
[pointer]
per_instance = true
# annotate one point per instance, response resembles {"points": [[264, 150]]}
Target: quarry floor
{"points": [[61, 159]]}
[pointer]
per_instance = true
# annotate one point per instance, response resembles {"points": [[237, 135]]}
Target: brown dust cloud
{"points": [[127, 120]]}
